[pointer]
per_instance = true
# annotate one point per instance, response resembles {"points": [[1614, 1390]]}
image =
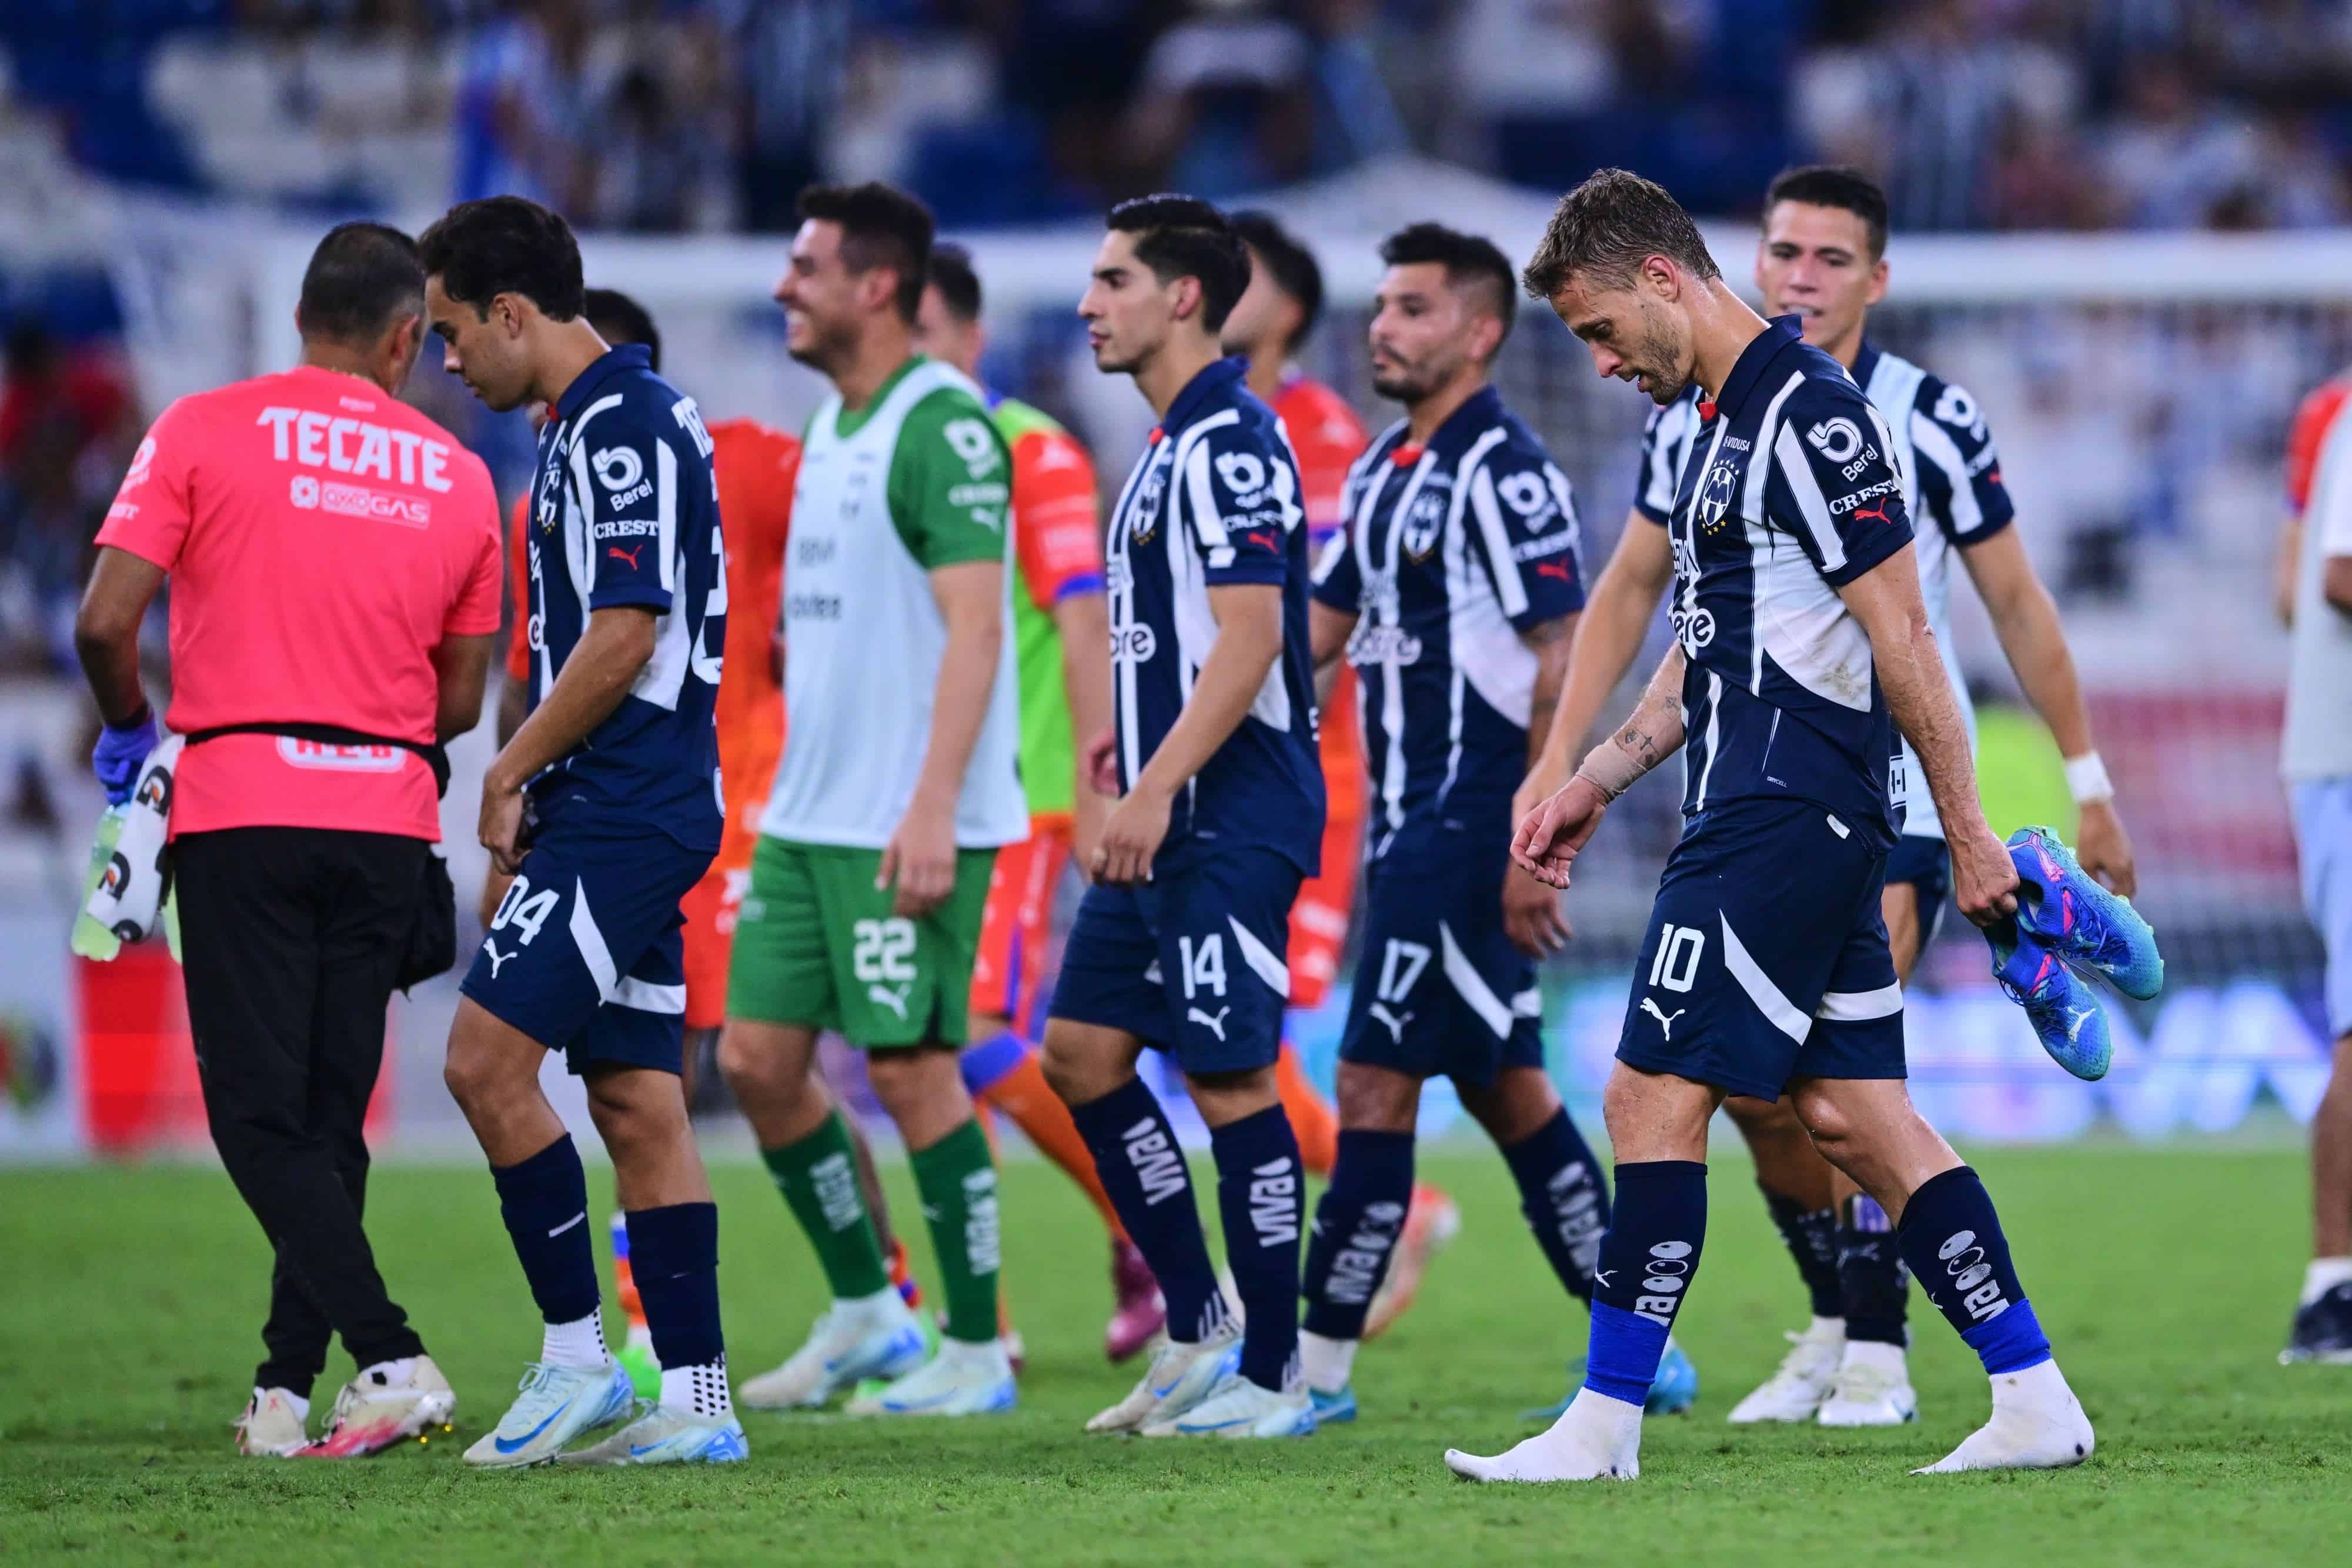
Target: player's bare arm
{"points": [[1531, 912], [1328, 630], [921, 857], [1885, 600], [617, 644], [462, 667], [1556, 831], [106, 629], [1249, 640], [1084, 621], [2025, 618], [1608, 636]]}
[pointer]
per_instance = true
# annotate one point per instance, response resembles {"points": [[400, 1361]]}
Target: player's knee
{"points": [[475, 1077], [748, 1064], [1070, 1072], [1377, 1099]]}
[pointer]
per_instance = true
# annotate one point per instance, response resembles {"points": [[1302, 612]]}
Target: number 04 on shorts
{"points": [[817, 943]]}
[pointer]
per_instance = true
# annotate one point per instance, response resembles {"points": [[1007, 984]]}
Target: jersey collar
{"points": [[1214, 380], [627, 357], [1865, 363], [1481, 408], [1777, 334]]}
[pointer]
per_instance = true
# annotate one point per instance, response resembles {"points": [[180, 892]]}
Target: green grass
{"points": [[133, 1298]]}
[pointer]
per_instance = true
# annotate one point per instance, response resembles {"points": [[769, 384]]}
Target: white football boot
{"points": [[661, 1435], [385, 1404], [962, 1379], [872, 1336], [1180, 1376], [1236, 1407], [1873, 1389], [272, 1426], [1795, 1391], [557, 1406]]}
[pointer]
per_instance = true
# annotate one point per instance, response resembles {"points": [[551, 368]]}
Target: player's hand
{"points": [[1101, 763], [2105, 849], [1984, 879], [1542, 782], [501, 824], [1532, 917], [921, 859], [1131, 835], [1555, 832]]}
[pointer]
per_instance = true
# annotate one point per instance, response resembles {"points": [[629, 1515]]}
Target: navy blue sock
{"points": [[1812, 1235], [545, 1201], [1564, 1200], [674, 1255], [1356, 1228], [1647, 1261], [1262, 1198], [1143, 1170], [1951, 1238], [1872, 1283]]}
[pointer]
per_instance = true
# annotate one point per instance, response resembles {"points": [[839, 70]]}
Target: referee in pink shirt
{"points": [[333, 557]]}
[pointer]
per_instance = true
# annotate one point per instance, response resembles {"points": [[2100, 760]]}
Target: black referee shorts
{"points": [[289, 938]]}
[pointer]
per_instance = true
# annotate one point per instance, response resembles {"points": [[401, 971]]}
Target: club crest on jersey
{"points": [[1715, 492], [1143, 517], [1423, 520]]}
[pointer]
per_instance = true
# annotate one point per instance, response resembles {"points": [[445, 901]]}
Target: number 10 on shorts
{"points": [[1675, 965]]}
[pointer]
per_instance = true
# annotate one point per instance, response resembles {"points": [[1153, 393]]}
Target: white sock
{"points": [[2322, 1275], [580, 1343], [701, 1390], [1877, 1354], [301, 1403], [2040, 1388], [1828, 1331], [881, 1301], [1326, 1362], [390, 1374], [641, 1336]]}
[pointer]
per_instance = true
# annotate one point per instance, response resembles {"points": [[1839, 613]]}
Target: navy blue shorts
{"points": [[586, 954], [1439, 987], [1926, 865], [1766, 958], [1192, 962]]}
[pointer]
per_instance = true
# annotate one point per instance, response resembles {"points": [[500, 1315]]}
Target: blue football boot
{"points": [[2082, 922], [2065, 1013], [1673, 1391]]}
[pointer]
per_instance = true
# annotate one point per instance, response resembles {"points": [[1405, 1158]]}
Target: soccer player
{"points": [[755, 465], [1822, 260], [1060, 627], [2318, 764], [1801, 642], [899, 783], [1179, 944], [1270, 324], [605, 808], [1453, 590]]}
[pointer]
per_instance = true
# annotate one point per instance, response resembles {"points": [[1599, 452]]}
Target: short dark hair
{"points": [[951, 274], [1606, 225], [1834, 185], [629, 321], [1184, 236], [362, 275], [1472, 259], [1291, 266], [505, 244], [881, 225]]}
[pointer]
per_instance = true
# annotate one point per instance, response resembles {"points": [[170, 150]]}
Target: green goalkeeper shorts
{"points": [[818, 945]]}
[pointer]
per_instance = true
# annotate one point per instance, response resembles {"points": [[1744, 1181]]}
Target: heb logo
{"points": [[341, 759], [346, 500]]}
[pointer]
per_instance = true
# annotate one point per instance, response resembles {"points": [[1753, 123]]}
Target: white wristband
{"points": [[2086, 776]]}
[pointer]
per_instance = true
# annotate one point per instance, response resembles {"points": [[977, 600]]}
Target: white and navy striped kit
{"points": [[1450, 551], [1790, 492], [625, 511], [1951, 474], [585, 954], [1214, 501]]}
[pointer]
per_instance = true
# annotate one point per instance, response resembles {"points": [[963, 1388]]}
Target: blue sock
{"points": [[1355, 1230], [1874, 1287], [1647, 1261], [545, 1201], [1261, 1196], [985, 1065], [1951, 1239], [674, 1255], [1143, 1170], [1562, 1196]]}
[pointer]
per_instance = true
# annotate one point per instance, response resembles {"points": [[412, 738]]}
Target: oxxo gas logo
{"points": [[1667, 1271], [1971, 1275]]}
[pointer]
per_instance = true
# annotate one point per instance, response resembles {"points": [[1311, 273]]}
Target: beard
{"points": [[1662, 351], [826, 350]]}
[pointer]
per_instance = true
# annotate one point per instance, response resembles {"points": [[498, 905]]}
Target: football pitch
{"points": [[133, 1298]]}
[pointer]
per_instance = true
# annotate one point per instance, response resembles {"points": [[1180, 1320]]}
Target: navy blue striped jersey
{"points": [[1448, 553], [1951, 472], [1214, 501], [1790, 491], [625, 511]]}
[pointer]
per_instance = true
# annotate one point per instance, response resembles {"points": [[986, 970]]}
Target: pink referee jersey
{"points": [[321, 539]]}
